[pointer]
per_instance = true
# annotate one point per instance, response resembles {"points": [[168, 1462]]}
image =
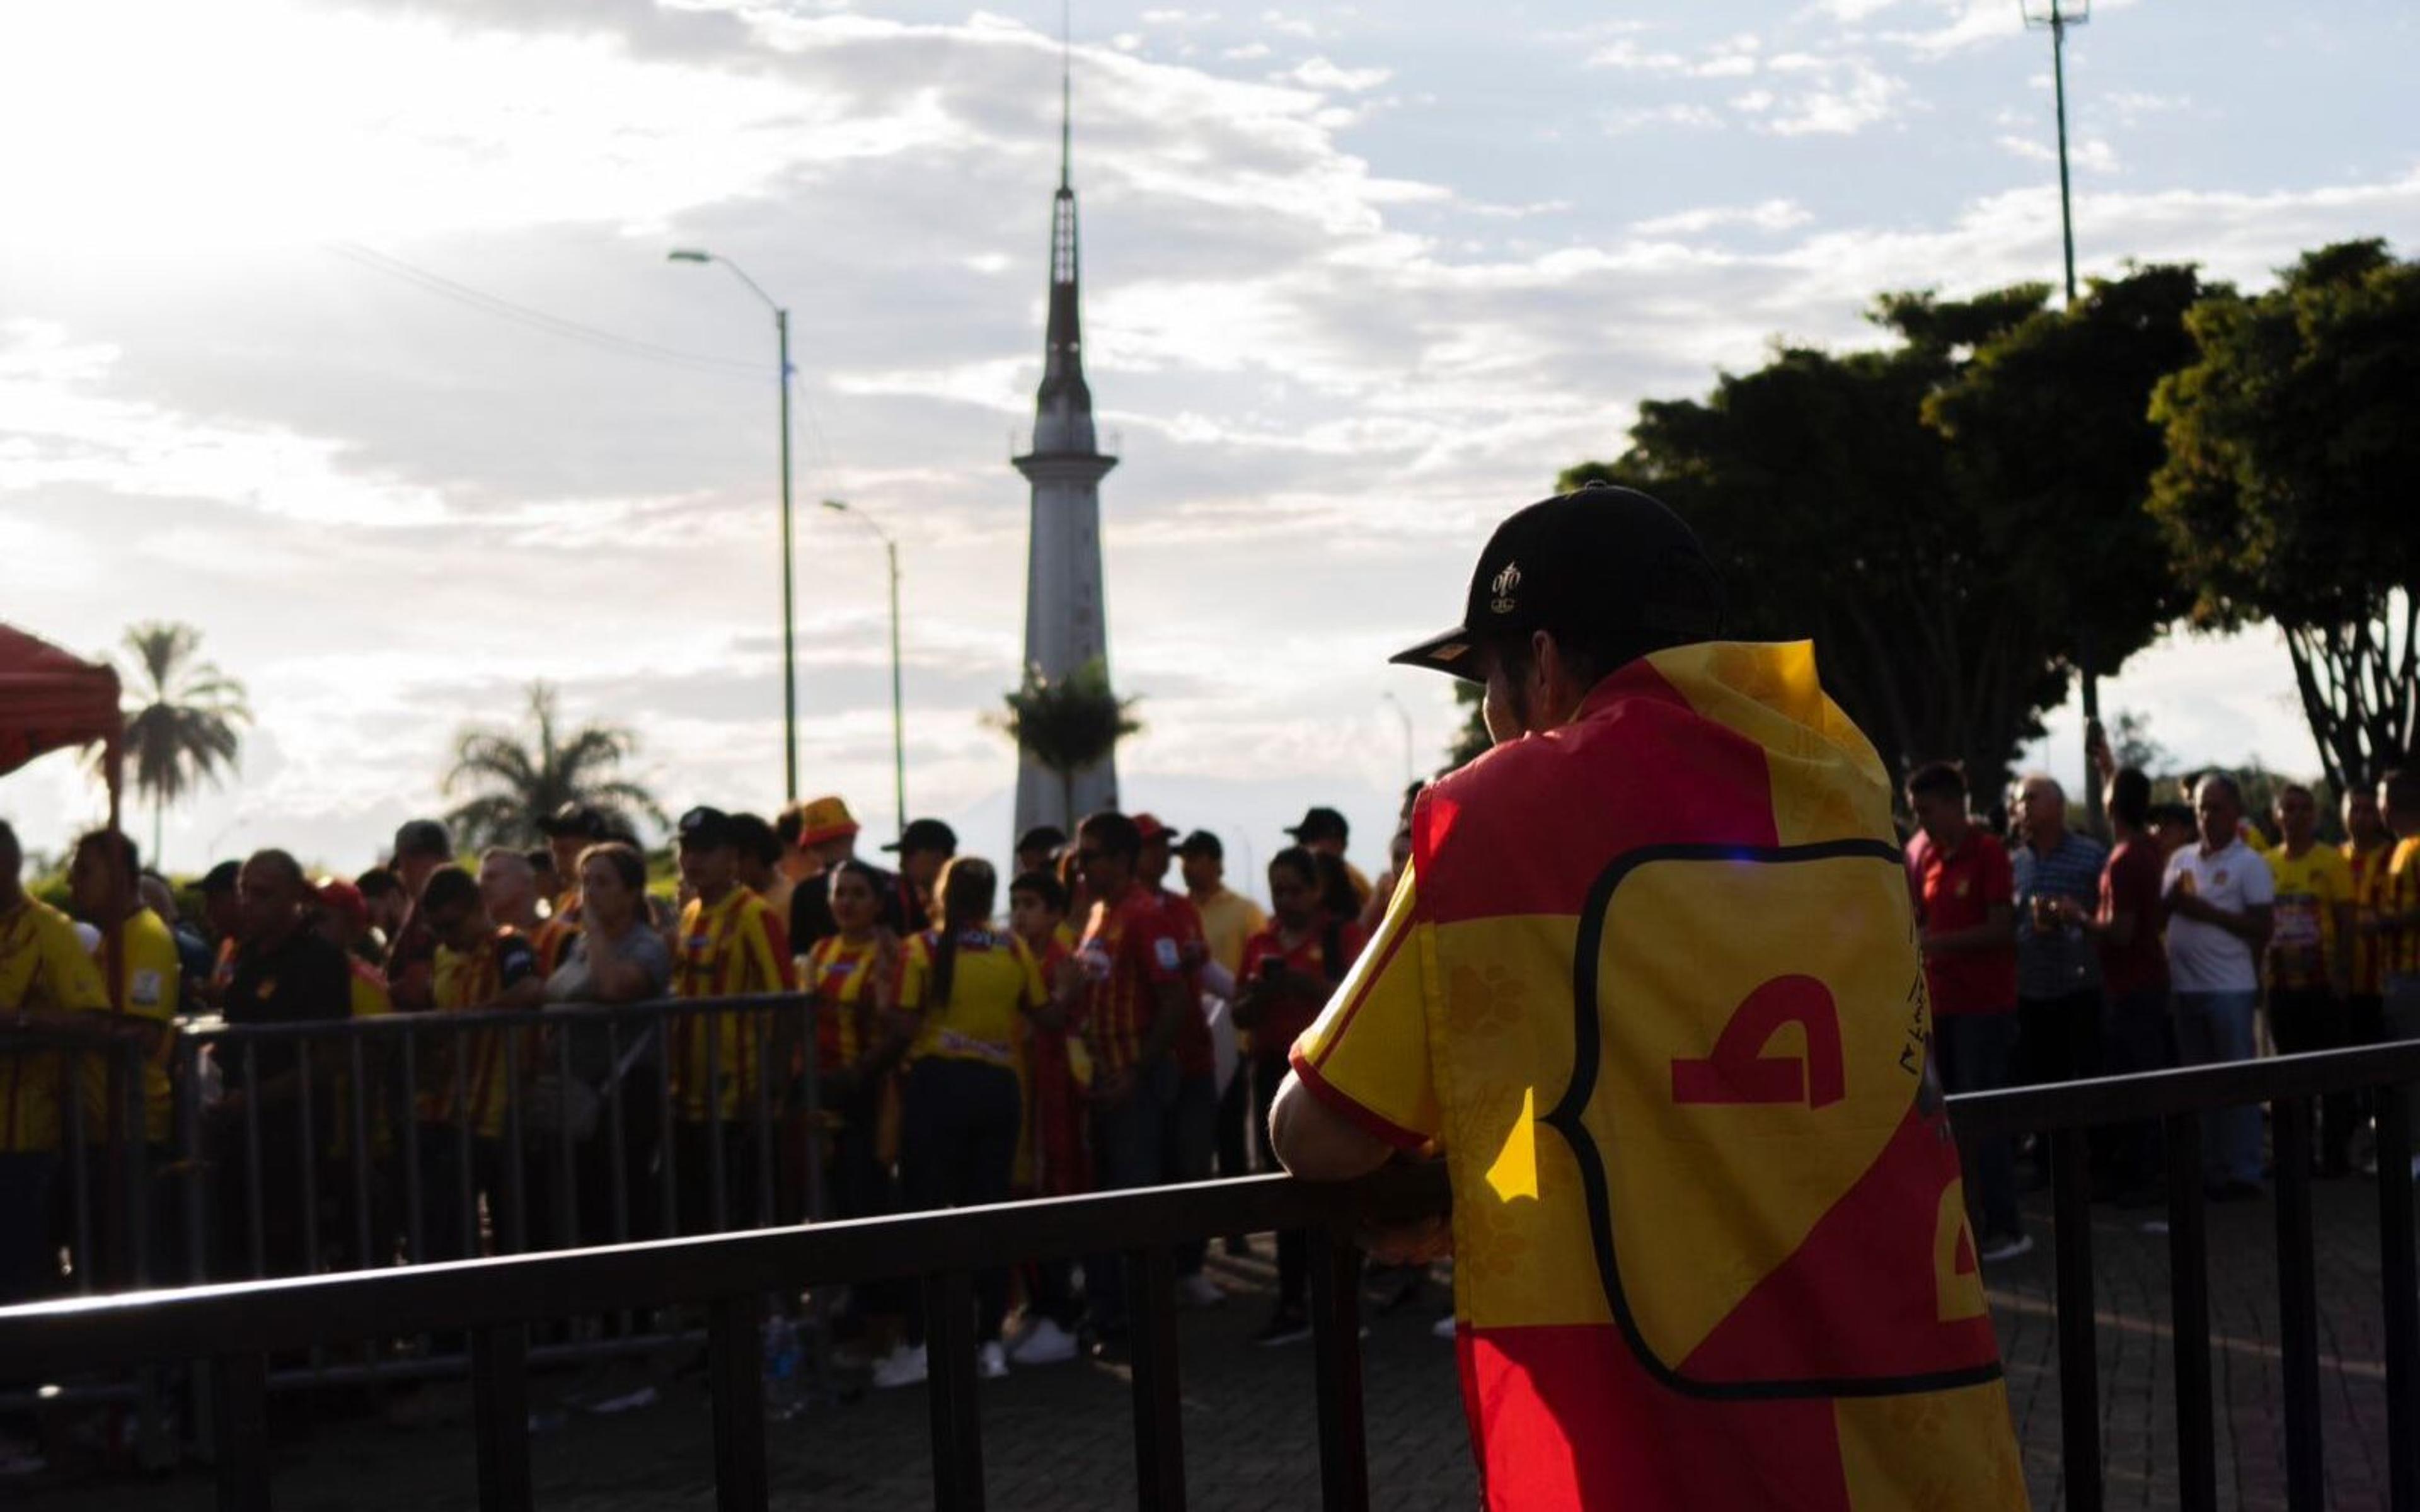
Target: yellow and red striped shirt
{"points": [[469, 981], [2369, 878], [1129, 953], [736, 949], [839, 974], [1651, 979]]}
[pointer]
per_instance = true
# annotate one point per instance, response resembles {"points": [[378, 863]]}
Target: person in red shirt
{"points": [[1290, 970], [1965, 903], [2136, 1033], [1056, 1075], [1153, 1095]]}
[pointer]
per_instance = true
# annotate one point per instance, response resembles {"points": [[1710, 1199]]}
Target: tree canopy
{"points": [[1067, 723], [514, 781], [2288, 493]]}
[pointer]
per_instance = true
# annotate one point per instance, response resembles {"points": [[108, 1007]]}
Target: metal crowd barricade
{"points": [[104, 1168]]}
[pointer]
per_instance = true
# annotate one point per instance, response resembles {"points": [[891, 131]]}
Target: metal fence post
{"points": [[2401, 1273], [2079, 1365], [950, 1376], [735, 1375], [2189, 1315], [500, 1406], [1336, 1339], [2298, 1303], [1159, 1424]]}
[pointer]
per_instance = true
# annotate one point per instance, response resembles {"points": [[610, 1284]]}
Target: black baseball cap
{"points": [[1322, 824], [1601, 560], [424, 837], [1202, 843], [220, 878], [705, 829], [574, 819], [926, 835]]}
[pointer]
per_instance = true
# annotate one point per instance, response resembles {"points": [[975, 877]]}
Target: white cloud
{"points": [[1851, 95], [1627, 119], [1278, 21], [1768, 215], [2090, 154], [1319, 73], [1247, 52]]}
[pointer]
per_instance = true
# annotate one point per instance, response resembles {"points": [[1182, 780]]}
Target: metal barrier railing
{"points": [[237, 1328], [92, 1080]]}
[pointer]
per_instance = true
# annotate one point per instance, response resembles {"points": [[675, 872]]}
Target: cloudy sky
{"points": [[344, 331]]}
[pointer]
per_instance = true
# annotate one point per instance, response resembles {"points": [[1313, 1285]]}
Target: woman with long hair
{"points": [[859, 1036], [972, 989], [1290, 970]]}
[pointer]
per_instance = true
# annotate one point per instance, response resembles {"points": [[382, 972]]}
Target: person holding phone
{"points": [[1290, 968]]}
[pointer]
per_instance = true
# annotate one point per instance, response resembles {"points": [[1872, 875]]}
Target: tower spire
{"points": [[1066, 97]]}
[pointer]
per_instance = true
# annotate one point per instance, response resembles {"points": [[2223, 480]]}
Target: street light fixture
{"points": [[898, 721], [2057, 16], [789, 614]]}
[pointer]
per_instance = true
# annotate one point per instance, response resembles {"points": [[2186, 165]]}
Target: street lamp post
{"points": [[899, 720], [2057, 16], [789, 611]]}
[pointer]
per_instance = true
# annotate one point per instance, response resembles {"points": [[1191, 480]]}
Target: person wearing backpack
{"points": [[1290, 970]]}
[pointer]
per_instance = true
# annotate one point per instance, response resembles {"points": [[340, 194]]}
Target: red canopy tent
{"points": [[49, 701]]}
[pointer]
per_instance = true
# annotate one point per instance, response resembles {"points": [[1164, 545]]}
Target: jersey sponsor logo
{"points": [[1167, 953]]}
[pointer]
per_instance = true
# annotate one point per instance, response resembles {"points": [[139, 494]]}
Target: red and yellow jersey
{"points": [[841, 976], [469, 981], [2311, 887], [736, 949], [554, 941], [2369, 878], [1324, 953], [994, 983], [2403, 948], [1131, 952], [1651, 979], [44, 969], [369, 1000]]}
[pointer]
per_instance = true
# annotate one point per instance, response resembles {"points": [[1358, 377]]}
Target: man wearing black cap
{"points": [[421, 846], [1324, 832], [1651, 981], [568, 831], [922, 848]]}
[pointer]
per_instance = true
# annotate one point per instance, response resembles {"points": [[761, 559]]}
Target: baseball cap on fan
{"points": [[1601, 561]]}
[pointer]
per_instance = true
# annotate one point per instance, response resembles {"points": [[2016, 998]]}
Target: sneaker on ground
{"points": [[1198, 1290], [1045, 1343], [1284, 1326], [1443, 1328], [2008, 1248], [992, 1361], [903, 1367]]}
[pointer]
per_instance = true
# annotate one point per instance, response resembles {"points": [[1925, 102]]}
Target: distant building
{"points": [[1066, 621]]}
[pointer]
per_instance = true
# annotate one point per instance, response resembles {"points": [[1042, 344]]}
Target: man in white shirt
{"points": [[2218, 893]]}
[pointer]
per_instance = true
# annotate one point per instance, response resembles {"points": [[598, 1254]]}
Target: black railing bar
{"points": [[79, 1336], [513, 1226], [736, 1382], [1336, 1348], [500, 1415], [949, 1302], [2189, 1315], [2400, 1274], [255, 1235], [2079, 1368], [70, 1067], [465, 1020], [1159, 1421], [2191, 1088], [2298, 1303]]}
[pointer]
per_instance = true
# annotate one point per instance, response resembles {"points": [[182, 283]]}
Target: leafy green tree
{"points": [[1835, 513], [2050, 431], [1068, 723], [1472, 740], [2288, 493], [513, 781], [181, 727]]}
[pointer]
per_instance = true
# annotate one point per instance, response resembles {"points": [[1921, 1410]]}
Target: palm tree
{"points": [[514, 784], [180, 724], [1069, 724]]}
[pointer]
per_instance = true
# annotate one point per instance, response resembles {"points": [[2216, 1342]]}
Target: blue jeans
{"points": [[2213, 1028], [1976, 1052], [1162, 1134]]}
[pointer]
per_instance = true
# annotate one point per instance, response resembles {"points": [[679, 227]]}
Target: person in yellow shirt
{"points": [[729, 945], [972, 989], [2309, 956], [100, 884], [2368, 853], [48, 982]]}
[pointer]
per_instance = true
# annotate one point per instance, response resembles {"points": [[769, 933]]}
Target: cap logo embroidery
{"points": [[1507, 583]]}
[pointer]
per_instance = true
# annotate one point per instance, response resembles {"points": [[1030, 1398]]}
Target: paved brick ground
{"points": [[1062, 1438]]}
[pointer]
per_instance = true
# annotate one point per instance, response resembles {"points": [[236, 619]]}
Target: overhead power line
{"points": [[536, 319]]}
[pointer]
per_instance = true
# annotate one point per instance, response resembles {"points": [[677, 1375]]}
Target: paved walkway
{"points": [[1062, 1438]]}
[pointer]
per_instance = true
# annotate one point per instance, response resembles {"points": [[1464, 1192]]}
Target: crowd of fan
{"points": [[1085, 1027], [2053, 956]]}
